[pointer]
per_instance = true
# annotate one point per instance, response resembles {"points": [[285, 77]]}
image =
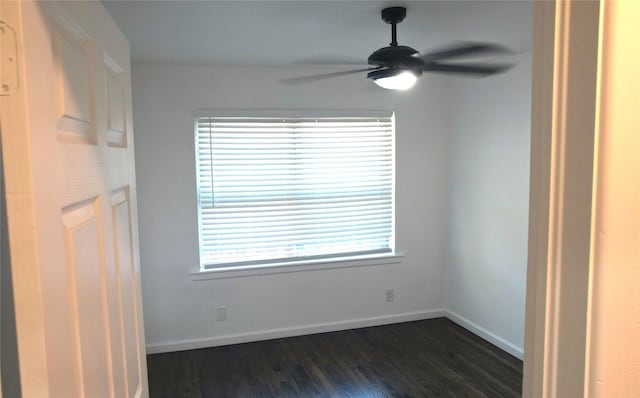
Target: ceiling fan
{"points": [[398, 67]]}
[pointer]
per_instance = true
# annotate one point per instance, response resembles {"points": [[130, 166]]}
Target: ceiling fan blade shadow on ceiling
{"points": [[398, 67]]}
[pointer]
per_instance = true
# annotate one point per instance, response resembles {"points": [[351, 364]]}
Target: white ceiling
{"points": [[307, 32]]}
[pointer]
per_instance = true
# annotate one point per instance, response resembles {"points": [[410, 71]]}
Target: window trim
{"points": [[340, 260], [200, 274]]}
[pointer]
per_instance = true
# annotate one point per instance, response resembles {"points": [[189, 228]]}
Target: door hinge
{"points": [[8, 60]]}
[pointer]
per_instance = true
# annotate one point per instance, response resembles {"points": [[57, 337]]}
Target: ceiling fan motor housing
{"points": [[397, 57]]}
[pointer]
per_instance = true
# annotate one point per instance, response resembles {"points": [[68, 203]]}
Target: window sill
{"points": [[295, 266]]}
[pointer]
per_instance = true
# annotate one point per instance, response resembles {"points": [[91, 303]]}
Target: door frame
{"points": [[563, 148]]}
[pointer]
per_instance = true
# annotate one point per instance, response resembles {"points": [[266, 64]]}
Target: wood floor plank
{"points": [[432, 358]]}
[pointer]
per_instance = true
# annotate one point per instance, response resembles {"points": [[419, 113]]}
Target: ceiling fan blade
{"points": [[326, 59], [467, 69], [464, 49], [323, 76]]}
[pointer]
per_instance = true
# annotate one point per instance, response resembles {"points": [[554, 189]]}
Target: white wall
{"points": [[489, 122], [179, 312]]}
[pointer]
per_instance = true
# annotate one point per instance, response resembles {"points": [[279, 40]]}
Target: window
{"points": [[273, 189]]}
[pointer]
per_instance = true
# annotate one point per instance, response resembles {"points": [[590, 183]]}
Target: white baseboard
{"points": [[485, 334], [180, 345]]}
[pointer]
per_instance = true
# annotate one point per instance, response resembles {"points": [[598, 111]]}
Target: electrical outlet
{"points": [[221, 313], [388, 295]]}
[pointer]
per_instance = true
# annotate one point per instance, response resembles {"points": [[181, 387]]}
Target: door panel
{"points": [[72, 53], [85, 265], [71, 204], [116, 103], [124, 267]]}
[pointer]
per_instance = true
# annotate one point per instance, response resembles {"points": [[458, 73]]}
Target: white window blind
{"points": [[294, 188]]}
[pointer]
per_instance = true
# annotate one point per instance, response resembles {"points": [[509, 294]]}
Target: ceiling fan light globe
{"points": [[400, 81]]}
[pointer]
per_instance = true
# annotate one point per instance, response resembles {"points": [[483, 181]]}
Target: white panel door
{"points": [[71, 200]]}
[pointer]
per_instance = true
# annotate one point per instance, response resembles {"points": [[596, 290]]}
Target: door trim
{"points": [[565, 76]]}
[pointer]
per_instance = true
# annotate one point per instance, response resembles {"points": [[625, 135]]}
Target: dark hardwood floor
{"points": [[432, 358]]}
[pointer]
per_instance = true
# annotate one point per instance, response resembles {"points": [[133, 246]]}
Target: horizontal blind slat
{"points": [[228, 235], [266, 209], [250, 204], [298, 239], [272, 222]]}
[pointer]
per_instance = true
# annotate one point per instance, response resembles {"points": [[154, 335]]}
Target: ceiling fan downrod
{"points": [[393, 16]]}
